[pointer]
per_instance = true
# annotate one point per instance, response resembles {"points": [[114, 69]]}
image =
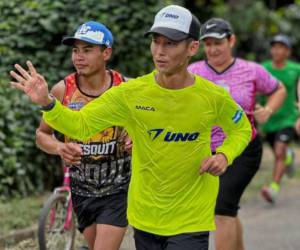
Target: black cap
{"points": [[216, 28], [283, 39], [176, 23]]}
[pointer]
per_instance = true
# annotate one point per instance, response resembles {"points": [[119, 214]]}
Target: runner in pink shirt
{"points": [[243, 79]]}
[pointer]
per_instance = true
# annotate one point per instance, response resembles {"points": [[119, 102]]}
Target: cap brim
{"points": [[172, 34], [282, 42], [214, 35], [69, 41]]}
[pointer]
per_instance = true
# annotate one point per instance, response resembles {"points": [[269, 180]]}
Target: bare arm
{"points": [[275, 100], [46, 140]]}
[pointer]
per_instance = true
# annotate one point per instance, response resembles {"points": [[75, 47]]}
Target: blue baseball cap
{"points": [[91, 32]]}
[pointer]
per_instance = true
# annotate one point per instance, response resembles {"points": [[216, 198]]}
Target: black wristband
{"points": [[50, 105]]}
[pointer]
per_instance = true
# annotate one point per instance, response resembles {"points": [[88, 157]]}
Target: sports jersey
{"points": [[105, 165], [170, 130], [287, 114], [242, 79]]}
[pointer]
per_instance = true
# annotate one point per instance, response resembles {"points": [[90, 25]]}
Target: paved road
{"points": [[266, 227]]}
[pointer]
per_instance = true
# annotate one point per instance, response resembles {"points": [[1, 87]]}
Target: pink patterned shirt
{"points": [[243, 79]]}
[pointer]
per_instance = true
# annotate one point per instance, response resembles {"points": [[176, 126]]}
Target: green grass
{"points": [[20, 213]]}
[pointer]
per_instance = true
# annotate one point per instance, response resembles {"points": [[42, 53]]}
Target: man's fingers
{"points": [[214, 165], [17, 77], [17, 86], [71, 160], [22, 71], [31, 68], [217, 171], [257, 106], [128, 146], [70, 156], [76, 147], [205, 165], [73, 148], [71, 152]]}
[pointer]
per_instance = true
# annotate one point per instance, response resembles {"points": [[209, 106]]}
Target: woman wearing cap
{"points": [[243, 80]]}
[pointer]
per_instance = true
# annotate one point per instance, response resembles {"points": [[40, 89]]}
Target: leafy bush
{"points": [[32, 30], [255, 25], [23, 168]]}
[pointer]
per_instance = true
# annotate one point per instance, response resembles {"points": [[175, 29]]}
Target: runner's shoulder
{"points": [[294, 65], [210, 88], [58, 90], [138, 82], [240, 62]]}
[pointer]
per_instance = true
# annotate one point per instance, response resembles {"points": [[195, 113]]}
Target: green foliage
{"points": [[32, 30], [254, 24], [23, 168]]}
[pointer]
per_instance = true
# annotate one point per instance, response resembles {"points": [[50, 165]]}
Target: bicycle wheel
{"points": [[52, 234]]}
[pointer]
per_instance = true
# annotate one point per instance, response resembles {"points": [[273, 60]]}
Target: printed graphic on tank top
{"points": [[105, 166]]}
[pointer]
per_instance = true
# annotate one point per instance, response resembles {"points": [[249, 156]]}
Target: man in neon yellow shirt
{"points": [[168, 114]]}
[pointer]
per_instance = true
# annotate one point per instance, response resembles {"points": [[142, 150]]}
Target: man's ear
{"points": [[193, 47], [107, 53]]}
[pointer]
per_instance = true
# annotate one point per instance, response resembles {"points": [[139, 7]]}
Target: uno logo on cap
{"points": [[169, 15]]}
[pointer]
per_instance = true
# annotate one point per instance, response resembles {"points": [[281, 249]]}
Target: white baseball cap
{"points": [[176, 23]]}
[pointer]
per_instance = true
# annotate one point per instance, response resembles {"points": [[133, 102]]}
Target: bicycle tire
{"points": [[52, 235]]}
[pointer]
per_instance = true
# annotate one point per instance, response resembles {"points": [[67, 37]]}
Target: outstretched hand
{"points": [[31, 83]]}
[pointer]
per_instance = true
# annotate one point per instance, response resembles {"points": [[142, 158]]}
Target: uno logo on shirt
{"points": [[237, 116], [173, 136]]}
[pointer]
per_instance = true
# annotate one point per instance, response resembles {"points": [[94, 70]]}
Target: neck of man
{"points": [[278, 64], [95, 84], [178, 80]]}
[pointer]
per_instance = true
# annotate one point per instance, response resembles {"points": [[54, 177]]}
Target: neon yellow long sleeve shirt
{"points": [[170, 130]]}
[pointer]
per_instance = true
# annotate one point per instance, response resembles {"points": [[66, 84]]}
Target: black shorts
{"points": [[284, 135], [236, 178], [110, 210], [186, 241]]}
